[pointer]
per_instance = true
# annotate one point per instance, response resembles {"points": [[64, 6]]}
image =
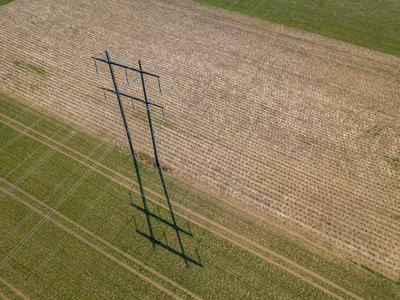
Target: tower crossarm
{"points": [[132, 97], [125, 67]]}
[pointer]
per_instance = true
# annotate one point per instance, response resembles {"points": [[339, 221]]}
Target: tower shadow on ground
{"points": [[149, 215], [156, 241]]}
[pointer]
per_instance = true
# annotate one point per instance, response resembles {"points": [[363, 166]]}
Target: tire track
{"points": [[133, 259], [98, 249], [205, 219], [130, 257], [15, 290], [4, 296]]}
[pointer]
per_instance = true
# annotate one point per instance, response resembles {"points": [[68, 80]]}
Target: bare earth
{"points": [[298, 129]]}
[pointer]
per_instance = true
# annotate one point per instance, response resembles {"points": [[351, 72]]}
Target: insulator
{"points": [[105, 97], [126, 75], [95, 65], [159, 86]]}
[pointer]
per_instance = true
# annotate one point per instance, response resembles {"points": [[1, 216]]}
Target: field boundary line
{"points": [[95, 247], [205, 219], [14, 289]]}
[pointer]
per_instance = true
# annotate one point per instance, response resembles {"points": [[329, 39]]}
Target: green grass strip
{"points": [[374, 24], [2, 2]]}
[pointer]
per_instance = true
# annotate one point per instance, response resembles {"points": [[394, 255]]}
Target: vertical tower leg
{"points": [[159, 167], [132, 151]]}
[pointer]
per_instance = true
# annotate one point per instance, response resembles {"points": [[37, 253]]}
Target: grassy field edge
{"points": [[2, 2], [370, 24]]}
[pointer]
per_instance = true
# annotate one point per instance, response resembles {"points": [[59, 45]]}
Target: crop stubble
{"points": [[298, 128]]}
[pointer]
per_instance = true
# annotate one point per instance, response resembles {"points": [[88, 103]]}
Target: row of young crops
{"points": [[295, 128]]}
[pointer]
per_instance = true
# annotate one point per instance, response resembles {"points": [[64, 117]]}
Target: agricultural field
{"points": [[373, 24], [67, 230], [281, 149]]}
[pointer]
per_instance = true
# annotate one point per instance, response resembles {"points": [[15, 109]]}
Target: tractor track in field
{"points": [[193, 213], [95, 247], [14, 289]]}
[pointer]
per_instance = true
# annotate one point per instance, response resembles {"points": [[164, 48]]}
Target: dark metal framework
{"points": [[145, 209]]}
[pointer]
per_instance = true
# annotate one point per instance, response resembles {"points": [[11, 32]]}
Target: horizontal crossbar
{"points": [[126, 67], [161, 219], [184, 256], [131, 97]]}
